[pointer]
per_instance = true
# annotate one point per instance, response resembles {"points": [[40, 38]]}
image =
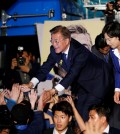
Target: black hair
{"points": [[5, 118], [62, 29], [112, 29], [102, 110], [100, 42], [21, 113], [64, 107]]}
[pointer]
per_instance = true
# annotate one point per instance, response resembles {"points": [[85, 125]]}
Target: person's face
{"points": [[5, 131], [118, 2], [61, 121], [105, 50], [110, 6], [94, 118], [113, 42], [26, 56], [59, 43]]}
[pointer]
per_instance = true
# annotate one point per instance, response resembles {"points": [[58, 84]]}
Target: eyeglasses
{"points": [[56, 41]]}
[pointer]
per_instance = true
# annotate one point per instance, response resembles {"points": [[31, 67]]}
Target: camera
{"points": [[20, 59]]}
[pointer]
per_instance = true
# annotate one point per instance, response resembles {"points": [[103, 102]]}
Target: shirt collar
{"points": [[66, 52], [107, 129], [116, 52], [56, 132]]}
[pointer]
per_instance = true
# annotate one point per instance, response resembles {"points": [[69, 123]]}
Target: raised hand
{"points": [[15, 92], [2, 95], [33, 98], [91, 129], [25, 88], [41, 103]]}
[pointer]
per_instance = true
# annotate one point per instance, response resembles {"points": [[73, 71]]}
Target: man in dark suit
{"points": [[99, 116], [101, 49], [62, 116], [88, 76]]}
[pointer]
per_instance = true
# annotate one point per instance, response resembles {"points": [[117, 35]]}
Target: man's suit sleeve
{"points": [[47, 66]]}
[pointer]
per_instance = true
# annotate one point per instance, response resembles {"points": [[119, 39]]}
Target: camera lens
{"points": [[21, 61]]}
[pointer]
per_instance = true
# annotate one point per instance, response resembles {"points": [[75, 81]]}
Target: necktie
{"points": [[64, 58], [64, 61]]}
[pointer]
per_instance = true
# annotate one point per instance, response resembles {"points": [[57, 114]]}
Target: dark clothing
{"points": [[114, 130], [106, 58], [115, 116], [50, 131], [36, 126], [14, 76], [86, 73]]}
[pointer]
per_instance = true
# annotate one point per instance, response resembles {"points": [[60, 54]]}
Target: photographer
{"points": [[117, 10], [22, 69]]}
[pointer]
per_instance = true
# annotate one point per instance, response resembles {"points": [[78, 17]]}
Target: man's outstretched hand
{"points": [[48, 95]]}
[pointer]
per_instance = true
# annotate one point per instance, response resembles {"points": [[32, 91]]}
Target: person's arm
{"points": [[14, 95], [116, 77], [117, 87], [79, 59], [41, 74], [48, 117], [78, 118], [37, 125]]}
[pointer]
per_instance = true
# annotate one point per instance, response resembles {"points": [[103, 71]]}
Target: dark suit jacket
{"points": [[35, 127], [85, 70], [50, 131], [114, 130], [100, 55]]}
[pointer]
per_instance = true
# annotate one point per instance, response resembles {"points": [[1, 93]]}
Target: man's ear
{"points": [[67, 41], [103, 119]]}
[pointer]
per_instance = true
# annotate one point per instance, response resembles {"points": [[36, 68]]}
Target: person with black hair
{"points": [[101, 49], [21, 70], [88, 76], [6, 123], [27, 119], [109, 12], [62, 116], [100, 114]]}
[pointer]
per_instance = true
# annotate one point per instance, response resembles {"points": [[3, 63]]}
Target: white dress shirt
{"points": [[56, 132], [107, 129]]}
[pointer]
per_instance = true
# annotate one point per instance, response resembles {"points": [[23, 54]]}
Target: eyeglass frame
{"points": [[56, 41]]}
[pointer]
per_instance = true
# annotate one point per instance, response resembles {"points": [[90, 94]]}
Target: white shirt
{"points": [[117, 54], [107, 129], [56, 132], [58, 87]]}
